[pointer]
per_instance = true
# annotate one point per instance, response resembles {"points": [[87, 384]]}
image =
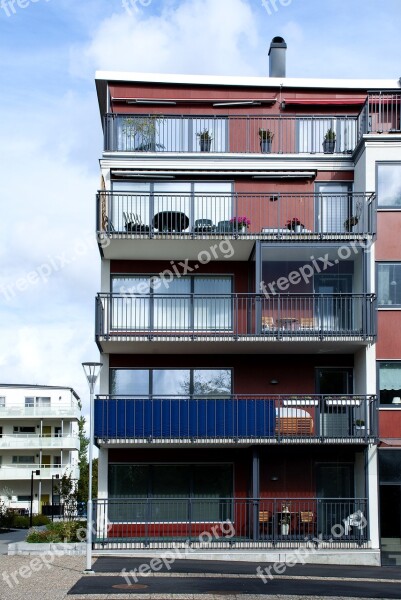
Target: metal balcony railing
{"points": [[278, 418], [381, 113], [121, 317], [221, 522], [288, 134], [228, 215]]}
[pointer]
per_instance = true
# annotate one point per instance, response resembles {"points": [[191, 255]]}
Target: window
{"points": [[390, 466], [31, 402], [390, 383], [24, 430], [144, 304], [172, 382], [197, 200], [2, 401], [161, 492], [158, 133], [23, 498], [389, 284], [389, 185], [311, 133], [23, 460]]}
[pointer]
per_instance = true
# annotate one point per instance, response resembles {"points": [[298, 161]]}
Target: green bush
{"points": [[20, 522], [42, 536], [39, 520], [58, 532]]}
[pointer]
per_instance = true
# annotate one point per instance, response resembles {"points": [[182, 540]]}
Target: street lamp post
{"points": [[57, 476], [92, 371], [37, 473]]}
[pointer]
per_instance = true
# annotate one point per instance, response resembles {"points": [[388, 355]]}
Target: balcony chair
{"points": [[225, 227], [307, 522], [204, 226], [265, 522], [133, 223]]}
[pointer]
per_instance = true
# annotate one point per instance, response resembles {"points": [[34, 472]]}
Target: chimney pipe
{"points": [[277, 52]]}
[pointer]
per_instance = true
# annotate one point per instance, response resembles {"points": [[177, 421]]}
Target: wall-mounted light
{"points": [[274, 478], [274, 381]]}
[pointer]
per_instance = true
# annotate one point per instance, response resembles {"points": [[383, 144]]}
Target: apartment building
{"points": [[247, 316], [38, 443]]}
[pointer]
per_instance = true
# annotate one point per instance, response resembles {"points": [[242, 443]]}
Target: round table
{"points": [[168, 220]]}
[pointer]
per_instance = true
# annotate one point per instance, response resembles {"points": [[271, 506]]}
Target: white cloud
{"points": [[197, 36]]}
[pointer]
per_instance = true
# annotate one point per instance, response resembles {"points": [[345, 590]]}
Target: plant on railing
{"points": [[240, 223], [266, 138], [294, 224], [142, 131], [329, 142], [205, 140], [354, 219]]}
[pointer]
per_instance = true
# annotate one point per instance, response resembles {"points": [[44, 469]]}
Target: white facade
{"points": [[38, 432]]}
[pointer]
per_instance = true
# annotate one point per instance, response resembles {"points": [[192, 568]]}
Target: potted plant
{"points": [[295, 224], [205, 140], [354, 219], [140, 133], [329, 142], [240, 223], [266, 137], [360, 425]]}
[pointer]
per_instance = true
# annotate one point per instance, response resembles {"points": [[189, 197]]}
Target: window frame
{"points": [[386, 263], [389, 404], [386, 207]]}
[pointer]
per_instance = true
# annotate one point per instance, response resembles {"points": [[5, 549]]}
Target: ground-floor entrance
{"points": [[390, 505]]}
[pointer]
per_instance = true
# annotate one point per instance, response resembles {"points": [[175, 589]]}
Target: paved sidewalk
{"points": [[62, 578], [16, 535]]}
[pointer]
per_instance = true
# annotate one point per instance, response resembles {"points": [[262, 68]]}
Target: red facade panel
{"points": [[388, 245], [388, 341], [390, 424]]}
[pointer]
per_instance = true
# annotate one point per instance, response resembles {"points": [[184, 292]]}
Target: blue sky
{"points": [[51, 134]]}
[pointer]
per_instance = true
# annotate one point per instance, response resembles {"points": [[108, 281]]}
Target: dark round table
{"points": [[170, 220]]}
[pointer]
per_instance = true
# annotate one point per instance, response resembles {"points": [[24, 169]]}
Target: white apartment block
{"points": [[38, 441]]}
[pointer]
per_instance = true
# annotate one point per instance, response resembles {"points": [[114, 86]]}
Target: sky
{"points": [[51, 136]]}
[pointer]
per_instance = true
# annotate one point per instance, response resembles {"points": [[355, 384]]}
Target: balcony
{"points": [[11, 472], [289, 134], [231, 522], [235, 321], [60, 411], [381, 113], [127, 218], [23, 441], [197, 421]]}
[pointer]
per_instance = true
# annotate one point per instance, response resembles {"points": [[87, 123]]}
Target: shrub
{"points": [[58, 532], [20, 522], [39, 520]]}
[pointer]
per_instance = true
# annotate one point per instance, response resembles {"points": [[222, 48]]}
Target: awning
{"points": [[323, 102]]}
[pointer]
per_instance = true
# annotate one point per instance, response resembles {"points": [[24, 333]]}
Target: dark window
{"points": [[390, 466]]}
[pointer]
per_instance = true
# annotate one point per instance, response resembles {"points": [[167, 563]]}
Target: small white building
{"points": [[38, 442]]}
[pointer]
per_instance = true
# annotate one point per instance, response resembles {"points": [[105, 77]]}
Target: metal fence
{"points": [[286, 134], [228, 214], [237, 418], [235, 316], [226, 522]]}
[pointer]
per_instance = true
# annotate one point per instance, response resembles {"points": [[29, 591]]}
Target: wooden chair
{"points": [[307, 522], [265, 517]]}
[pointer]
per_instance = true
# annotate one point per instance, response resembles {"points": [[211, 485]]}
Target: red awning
{"points": [[323, 102]]}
